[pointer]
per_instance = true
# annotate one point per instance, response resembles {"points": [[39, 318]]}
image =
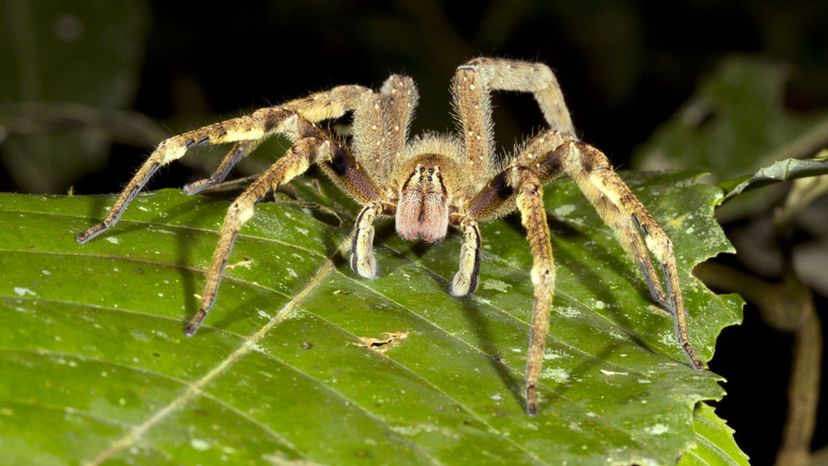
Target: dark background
{"points": [[625, 67]]}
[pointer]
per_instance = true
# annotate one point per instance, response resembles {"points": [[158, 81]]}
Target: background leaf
{"points": [[735, 124], [93, 338], [67, 67], [777, 172]]}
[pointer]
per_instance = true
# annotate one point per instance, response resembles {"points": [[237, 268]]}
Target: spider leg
{"points": [[381, 122], [308, 106], [299, 158], [544, 158], [465, 280], [544, 154], [622, 210], [294, 119], [533, 217], [550, 154], [471, 87], [239, 151], [362, 249]]}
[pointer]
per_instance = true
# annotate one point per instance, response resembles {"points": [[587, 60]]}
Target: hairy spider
{"points": [[432, 181]]}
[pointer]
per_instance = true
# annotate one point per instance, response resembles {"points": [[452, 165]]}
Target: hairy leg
{"points": [[465, 280], [381, 122], [546, 157], [362, 245], [621, 210], [294, 119], [471, 87], [533, 216], [239, 151], [302, 155]]}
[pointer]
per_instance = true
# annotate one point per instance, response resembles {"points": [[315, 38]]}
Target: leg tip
{"points": [[461, 286], [90, 233], [531, 400], [193, 188], [194, 324], [191, 329], [695, 361], [366, 268]]}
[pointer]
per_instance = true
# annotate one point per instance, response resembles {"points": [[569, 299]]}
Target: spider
{"points": [[431, 182]]}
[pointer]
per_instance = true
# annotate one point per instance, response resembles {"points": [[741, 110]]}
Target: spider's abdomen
{"points": [[422, 208]]}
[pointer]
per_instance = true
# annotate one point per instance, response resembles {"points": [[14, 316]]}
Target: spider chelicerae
{"points": [[432, 181]]}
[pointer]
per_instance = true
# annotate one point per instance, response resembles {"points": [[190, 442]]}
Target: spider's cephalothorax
{"points": [[432, 182]]}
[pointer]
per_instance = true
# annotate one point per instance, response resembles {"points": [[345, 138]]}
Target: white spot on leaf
{"points": [[21, 291], [564, 210], [199, 444], [657, 429], [494, 284], [556, 374]]}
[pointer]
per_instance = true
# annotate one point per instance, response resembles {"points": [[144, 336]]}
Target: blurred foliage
{"points": [[734, 124], [70, 66]]}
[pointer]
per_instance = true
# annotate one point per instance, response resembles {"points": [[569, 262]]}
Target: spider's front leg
{"points": [[293, 119], [380, 129], [362, 245], [465, 280]]}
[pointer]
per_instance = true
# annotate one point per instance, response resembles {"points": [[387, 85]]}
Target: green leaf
{"points": [[92, 338], [784, 170], [715, 444], [735, 123]]}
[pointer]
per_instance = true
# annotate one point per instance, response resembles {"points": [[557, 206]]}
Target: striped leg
{"points": [[239, 151], [253, 127]]}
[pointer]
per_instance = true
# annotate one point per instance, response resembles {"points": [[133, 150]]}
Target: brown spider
{"points": [[432, 181]]}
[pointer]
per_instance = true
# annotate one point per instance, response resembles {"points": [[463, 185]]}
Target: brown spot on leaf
{"points": [[381, 345]]}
